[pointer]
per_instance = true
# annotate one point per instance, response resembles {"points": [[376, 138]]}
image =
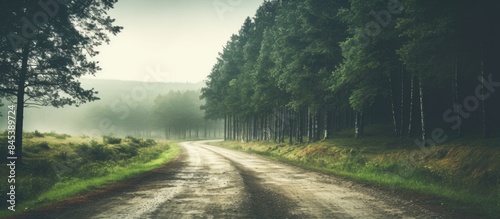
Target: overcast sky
{"points": [[170, 40]]}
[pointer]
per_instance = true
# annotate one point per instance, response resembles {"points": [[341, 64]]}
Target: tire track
{"points": [[261, 201]]}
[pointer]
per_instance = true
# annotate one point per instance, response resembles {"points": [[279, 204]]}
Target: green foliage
{"points": [[63, 63], [347, 57], [38, 147], [58, 136], [38, 134], [42, 167], [111, 140], [34, 185], [65, 48], [78, 164], [140, 142], [95, 151], [129, 150], [43, 145], [134, 140]]}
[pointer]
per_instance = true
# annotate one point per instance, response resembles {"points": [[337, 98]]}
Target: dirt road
{"points": [[212, 182]]}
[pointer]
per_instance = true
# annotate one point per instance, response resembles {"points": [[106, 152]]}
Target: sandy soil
{"points": [[212, 182]]}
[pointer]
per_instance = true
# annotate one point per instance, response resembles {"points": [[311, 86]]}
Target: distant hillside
{"points": [[114, 88], [136, 96]]}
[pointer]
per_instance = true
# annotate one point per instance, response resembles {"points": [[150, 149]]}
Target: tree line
{"points": [[302, 70], [179, 115]]}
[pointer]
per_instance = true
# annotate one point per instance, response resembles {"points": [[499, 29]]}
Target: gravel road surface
{"points": [[212, 182]]}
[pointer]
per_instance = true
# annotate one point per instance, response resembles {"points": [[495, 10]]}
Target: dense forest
{"points": [[302, 70]]}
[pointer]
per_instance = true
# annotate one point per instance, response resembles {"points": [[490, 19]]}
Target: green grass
{"points": [[463, 175], [57, 168], [68, 188]]}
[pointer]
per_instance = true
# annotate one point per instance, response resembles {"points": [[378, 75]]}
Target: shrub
{"points": [[62, 136], [42, 167], [57, 136], [38, 134], [111, 140], [83, 150], [63, 155], [134, 140], [28, 135], [128, 150], [37, 147], [149, 142], [33, 186], [91, 169], [95, 151], [141, 142], [101, 153], [43, 145]]}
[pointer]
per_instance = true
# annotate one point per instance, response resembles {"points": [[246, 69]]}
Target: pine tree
{"points": [[49, 53]]}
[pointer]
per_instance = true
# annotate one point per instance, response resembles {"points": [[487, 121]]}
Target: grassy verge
{"points": [[463, 175], [58, 166]]}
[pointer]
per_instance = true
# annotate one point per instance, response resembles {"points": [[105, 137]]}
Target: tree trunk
{"points": [[483, 102], [410, 116], [362, 125], [267, 124], [455, 85], [234, 128], [20, 105], [455, 92], [249, 129], [356, 126], [225, 127], [255, 122], [300, 126], [228, 127], [396, 131], [275, 129], [282, 127], [231, 128], [290, 124], [262, 128], [319, 124], [401, 110], [422, 113], [329, 124], [309, 126], [238, 129]]}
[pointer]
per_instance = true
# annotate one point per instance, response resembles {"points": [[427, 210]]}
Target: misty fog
{"points": [[121, 104]]}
